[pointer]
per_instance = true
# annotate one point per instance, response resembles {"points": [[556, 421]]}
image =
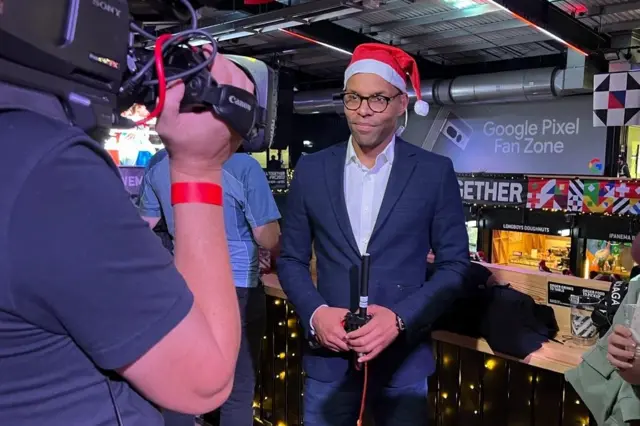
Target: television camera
{"points": [[98, 62]]}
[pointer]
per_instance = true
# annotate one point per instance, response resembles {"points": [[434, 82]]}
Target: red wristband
{"points": [[196, 192]]}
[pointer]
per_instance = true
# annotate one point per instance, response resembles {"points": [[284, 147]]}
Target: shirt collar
{"points": [[385, 156]]}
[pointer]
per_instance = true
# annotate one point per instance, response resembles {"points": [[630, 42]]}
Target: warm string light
{"points": [[285, 319], [478, 401], [449, 399]]}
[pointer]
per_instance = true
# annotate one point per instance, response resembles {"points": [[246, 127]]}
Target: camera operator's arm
{"points": [[198, 145]]}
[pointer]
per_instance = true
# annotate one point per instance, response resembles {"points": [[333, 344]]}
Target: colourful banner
{"points": [[575, 195]]}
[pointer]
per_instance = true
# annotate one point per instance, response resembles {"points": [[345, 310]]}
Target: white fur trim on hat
{"points": [[421, 108], [371, 66]]}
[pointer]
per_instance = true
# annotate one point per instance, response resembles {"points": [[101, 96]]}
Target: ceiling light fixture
{"points": [[542, 30], [314, 41], [461, 4]]}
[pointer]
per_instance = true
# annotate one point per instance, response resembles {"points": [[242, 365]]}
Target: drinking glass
{"points": [[583, 330], [632, 321]]}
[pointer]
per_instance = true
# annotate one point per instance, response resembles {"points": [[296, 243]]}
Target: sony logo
{"points": [[107, 7], [240, 103]]}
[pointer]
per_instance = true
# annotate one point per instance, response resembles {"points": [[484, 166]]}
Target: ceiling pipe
{"points": [[504, 87]]}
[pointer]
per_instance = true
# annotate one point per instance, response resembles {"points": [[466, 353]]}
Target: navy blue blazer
{"points": [[421, 210]]}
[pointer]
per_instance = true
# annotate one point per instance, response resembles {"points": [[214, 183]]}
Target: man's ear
{"points": [[404, 101]]}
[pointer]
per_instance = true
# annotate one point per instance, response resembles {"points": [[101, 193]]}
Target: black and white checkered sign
{"points": [[616, 99]]}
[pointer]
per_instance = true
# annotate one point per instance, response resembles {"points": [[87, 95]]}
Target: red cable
{"points": [[162, 80], [364, 395], [363, 401]]}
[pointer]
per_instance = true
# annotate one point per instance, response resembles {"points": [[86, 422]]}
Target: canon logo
{"points": [[107, 7], [238, 102]]}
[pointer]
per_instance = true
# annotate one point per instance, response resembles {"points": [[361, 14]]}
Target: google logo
{"points": [[595, 165]]}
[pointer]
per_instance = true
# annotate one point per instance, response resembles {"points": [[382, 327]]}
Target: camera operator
{"points": [[97, 326]]}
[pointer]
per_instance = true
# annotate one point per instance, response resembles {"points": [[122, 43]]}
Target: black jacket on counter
{"points": [[510, 321]]}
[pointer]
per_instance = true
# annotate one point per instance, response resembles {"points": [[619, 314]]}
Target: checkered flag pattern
{"points": [[576, 189], [616, 99]]}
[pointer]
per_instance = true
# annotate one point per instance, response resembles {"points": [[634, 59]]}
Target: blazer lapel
{"points": [[334, 176], [401, 171]]}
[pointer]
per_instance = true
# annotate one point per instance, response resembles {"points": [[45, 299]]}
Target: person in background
{"points": [[635, 271], [251, 221], [622, 353], [623, 168], [542, 266], [274, 163], [622, 346], [380, 195]]}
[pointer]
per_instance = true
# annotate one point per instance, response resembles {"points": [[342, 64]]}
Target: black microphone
{"points": [[365, 267], [354, 321]]}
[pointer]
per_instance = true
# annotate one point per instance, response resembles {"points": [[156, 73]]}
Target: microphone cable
{"points": [[162, 44], [363, 401]]}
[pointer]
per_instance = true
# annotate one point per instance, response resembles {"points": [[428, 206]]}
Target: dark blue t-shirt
{"points": [[85, 285]]}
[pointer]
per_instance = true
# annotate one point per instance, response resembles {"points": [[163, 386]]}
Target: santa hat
{"points": [[391, 64]]}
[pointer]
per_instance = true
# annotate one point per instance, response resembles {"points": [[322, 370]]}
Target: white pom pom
{"points": [[421, 108]]}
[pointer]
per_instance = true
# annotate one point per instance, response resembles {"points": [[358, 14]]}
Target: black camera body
{"points": [[75, 50], [81, 51], [253, 116]]}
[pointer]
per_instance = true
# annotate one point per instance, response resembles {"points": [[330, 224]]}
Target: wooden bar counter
{"points": [[557, 357]]}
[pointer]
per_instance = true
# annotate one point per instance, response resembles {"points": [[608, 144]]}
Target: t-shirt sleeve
{"points": [[149, 201], [84, 263], [260, 207]]}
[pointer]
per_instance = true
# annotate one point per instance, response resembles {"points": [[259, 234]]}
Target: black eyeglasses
{"points": [[377, 103]]}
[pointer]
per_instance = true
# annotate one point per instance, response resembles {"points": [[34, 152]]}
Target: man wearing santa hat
{"points": [[380, 195]]}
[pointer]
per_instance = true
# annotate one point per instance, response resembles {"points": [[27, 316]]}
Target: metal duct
{"points": [[504, 87]]}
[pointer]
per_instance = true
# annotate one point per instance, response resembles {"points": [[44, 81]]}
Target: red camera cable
{"points": [[162, 79], [364, 395], [363, 401]]}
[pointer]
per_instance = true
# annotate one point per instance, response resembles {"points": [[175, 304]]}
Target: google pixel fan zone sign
{"points": [[555, 137]]}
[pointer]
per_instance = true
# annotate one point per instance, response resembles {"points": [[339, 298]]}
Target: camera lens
{"points": [[452, 132]]}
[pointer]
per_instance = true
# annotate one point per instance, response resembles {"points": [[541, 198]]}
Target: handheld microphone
{"points": [[354, 321], [364, 285]]}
